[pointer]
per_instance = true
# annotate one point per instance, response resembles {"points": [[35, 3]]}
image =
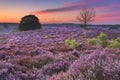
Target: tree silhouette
{"points": [[86, 16], [29, 22]]}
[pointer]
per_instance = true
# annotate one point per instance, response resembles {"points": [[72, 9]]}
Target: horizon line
{"points": [[64, 23]]}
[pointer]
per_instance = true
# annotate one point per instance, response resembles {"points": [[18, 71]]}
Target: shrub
{"points": [[74, 43], [117, 39], [102, 39], [115, 44], [102, 36], [67, 42], [71, 43], [60, 76], [56, 67], [43, 60], [29, 22], [92, 41], [99, 65], [26, 61], [5, 70]]}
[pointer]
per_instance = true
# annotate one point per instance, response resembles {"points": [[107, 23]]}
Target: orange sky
{"points": [[59, 11]]}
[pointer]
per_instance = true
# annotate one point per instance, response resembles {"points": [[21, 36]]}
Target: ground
{"points": [[42, 55]]}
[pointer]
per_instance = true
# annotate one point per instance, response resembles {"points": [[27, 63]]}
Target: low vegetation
{"points": [[71, 43], [53, 54], [102, 40]]}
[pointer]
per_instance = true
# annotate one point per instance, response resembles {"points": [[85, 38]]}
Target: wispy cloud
{"points": [[107, 10], [73, 6], [62, 9]]}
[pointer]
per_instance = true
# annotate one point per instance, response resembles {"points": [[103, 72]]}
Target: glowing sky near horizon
{"points": [[59, 11]]}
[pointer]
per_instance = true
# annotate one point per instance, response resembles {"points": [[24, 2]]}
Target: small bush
{"points": [[92, 41], [42, 60], [26, 61], [71, 43], [74, 43], [29, 22], [60, 76], [37, 61], [102, 39], [67, 42], [56, 67], [115, 44], [117, 39]]}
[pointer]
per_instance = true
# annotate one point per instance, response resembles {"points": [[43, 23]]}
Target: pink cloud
{"points": [[74, 6], [108, 17], [107, 10], [110, 7]]}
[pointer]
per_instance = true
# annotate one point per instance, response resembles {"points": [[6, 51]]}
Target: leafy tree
{"points": [[29, 22]]}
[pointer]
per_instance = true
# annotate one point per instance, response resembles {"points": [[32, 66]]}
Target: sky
{"points": [[59, 11]]}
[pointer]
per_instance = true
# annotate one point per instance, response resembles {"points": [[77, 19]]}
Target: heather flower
{"points": [[56, 67], [99, 65], [60, 76], [26, 61], [35, 56], [41, 60]]}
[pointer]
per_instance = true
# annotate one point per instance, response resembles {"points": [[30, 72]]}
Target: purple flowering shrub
{"points": [[42, 60], [10, 71], [99, 65], [31, 55], [37, 61], [56, 67], [60, 76], [5, 68], [58, 48], [27, 62]]}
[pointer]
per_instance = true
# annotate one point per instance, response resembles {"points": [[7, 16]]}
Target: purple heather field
{"points": [[42, 55]]}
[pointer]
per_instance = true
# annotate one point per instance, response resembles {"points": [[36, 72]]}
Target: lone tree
{"points": [[86, 16], [29, 22]]}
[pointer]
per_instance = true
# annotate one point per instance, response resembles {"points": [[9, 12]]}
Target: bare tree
{"points": [[86, 16]]}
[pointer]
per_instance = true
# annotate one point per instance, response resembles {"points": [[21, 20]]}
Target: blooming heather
{"points": [[99, 65]]}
